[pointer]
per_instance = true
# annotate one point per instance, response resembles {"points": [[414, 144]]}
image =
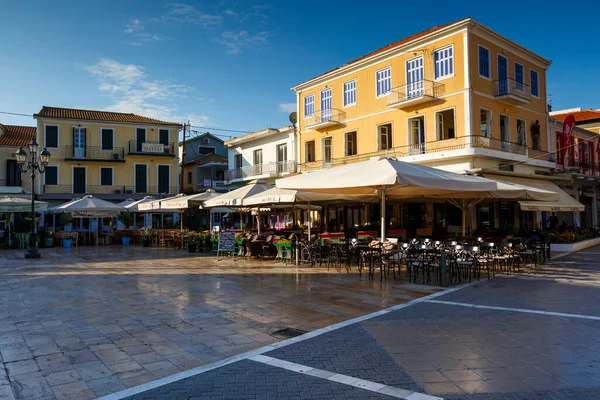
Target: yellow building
{"points": [[110, 155], [459, 97]]}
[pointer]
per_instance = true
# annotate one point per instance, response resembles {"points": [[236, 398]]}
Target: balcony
{"points": [[151, 148], [272, 169], [499, 145], [325, 118], [512, 92], [116, 191], [95, 153], [217, 185], [454, 147], [415, 93]]}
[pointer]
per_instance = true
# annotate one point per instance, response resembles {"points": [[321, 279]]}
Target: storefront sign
{"points": [[153, 148]]}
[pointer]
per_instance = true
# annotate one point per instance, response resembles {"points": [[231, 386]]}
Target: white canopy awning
{"points": [[155, 205], [179, 203], [17, 204], [386, 177], [126, 202], [90, 207], [564, 201], [236, 197], [275, 196]]}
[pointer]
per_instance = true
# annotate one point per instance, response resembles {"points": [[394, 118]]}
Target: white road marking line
{"points": [[519, 310], [261, 350], [344, 379]]}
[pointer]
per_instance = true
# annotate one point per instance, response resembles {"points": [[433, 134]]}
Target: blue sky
{"points": [[230, 64]]}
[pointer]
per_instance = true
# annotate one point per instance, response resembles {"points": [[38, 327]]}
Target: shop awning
{"points": [[565, 203]]}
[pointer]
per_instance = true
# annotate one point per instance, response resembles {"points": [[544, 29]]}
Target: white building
{"points": [[268, 154]]}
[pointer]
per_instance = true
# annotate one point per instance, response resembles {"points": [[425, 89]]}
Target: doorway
{"points": [[79, 142]]}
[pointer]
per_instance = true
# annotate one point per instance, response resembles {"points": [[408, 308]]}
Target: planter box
{"points": [[572, 247]]}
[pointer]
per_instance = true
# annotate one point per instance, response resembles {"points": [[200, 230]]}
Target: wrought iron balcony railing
{"points": [[325, 118], [437, 146], [271, 169], [512, 91], [95, 153], [415, 93], [107, 190]]}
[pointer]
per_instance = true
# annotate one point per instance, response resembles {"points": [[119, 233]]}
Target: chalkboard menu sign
{"points": [[226, 243]]}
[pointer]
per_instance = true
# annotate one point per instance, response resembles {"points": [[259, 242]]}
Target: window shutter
{"points": [[84, 142], [73, 143]]}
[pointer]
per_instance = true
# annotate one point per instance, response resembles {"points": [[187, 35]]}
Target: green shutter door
{"points": [[141, 174], [163, 179]]}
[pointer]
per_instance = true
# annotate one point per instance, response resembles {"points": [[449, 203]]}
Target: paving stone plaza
{"points": [[83, 323]]}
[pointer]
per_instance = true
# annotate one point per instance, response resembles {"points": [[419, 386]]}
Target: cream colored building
{"points": [[110, 155]]}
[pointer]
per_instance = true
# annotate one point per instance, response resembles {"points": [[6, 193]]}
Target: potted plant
{"points": [[147, 234], [66, 219], [192, 243], [48, 239], [127, 219]]}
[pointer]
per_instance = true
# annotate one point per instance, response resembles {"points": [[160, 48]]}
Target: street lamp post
{"points": [[38, 164]]}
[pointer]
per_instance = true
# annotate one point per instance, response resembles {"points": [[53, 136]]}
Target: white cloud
{"points": [[138, 30], [287, 107], [133, 92], [186, 13], [134, 26], [235, 42]]}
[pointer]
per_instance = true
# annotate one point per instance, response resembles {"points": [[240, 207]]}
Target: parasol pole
{"points": [[382, 215]]}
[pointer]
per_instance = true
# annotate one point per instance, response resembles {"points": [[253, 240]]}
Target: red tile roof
{"points": [[16, 136], [393, 45], [93, 115], [580, 116]]}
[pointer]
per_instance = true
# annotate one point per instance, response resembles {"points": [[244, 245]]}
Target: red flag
{"points": [[568, 126]]}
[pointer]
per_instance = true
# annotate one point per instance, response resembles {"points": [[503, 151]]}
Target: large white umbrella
{"points": [[135, 206], [193, 200], [90, 207], [9, 204], [277, 197], [505, 190], [386, 177], [126, 203], [236, 197], [155, 205]]}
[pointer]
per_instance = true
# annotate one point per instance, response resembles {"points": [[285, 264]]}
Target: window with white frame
{"points": [[351, 149], [106, 176], [309, 105], [384, 81], [535, 84], [485, 123], [51, 175], [107, 139], [350, 93], [484, 62], [51, 136], [309, 151], [444, 62], [384, 136], [327, 150]]}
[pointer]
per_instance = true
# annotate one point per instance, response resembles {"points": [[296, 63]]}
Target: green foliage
{"points": [[65, 219], [126, 218]]}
